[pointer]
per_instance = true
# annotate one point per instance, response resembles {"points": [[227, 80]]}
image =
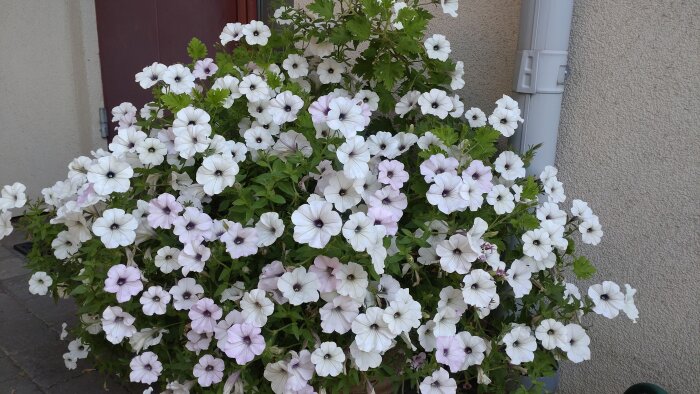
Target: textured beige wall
{"points": [[630, 145], [50, 89]]}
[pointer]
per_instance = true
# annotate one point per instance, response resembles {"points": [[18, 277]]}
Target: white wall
{"points": [[50, 89]]}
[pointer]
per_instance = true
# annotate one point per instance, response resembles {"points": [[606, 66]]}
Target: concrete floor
{"points": [[31, 353]]}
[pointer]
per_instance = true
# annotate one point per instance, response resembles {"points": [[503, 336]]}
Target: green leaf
{"points": [[387, 72], [372, 7], [340, 36], [446, 134], [485, 139], [526, 221], [176, 102], [324, 8], [196, 49], [530, 189], [360, 27], [583, 268], [216, 96]]}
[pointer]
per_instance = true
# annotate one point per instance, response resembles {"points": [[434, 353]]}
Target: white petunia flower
{"points": [[330, 71], [456, 254], [296, 66], [446, 193], [372, 334], [402, 315], [191, 140], [231, 32], [256, 307], [439, 382], [501, 199], [338, 314], [145, 368], [505, 121], [167, 259], [520, 345], [150, 75], [537, 244], [608, 299], [479, 288], [254, 88], [457, 76], [518, 277], [577, 346], [328, 359], [257, 138], [551, 211], [5, 224], [345, 116], [555, 191], [474, 347], [216, 173], [591, 231], [630, 308], [256, 33], [179, 78], [186, 293], [269, 228], [39, 283], [315, 223], [352, 280], [115, 228], [436, 102], [510, 166], [284, 107], [298, 286], [438, 47], [342, 191], [65, 244], [552, 334], [450, 7], [151, 151], [354, 155], [364, 360], [109, 175], [362, 233], [476, 117], [581, 210], [154, 301], [12, 196], [117, 324], [407, 103], [231, 84]]}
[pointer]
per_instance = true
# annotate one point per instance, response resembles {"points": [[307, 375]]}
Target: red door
{"points": [[133, 34]]}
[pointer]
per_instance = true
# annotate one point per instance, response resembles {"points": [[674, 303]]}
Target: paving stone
{"points": [[8, 370], [11, 267], [20, 329], [21, 386], [45, 365], [90, 382]]}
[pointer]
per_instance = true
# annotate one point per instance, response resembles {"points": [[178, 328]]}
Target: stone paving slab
{"points": [[31, 353]]}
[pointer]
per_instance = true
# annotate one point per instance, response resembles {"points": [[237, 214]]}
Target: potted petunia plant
{"points": [[310, 209]]}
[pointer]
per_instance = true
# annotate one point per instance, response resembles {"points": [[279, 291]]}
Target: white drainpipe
{"points": [[540, 73]]}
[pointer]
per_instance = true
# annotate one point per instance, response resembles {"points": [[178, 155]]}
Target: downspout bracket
{"points": [[540, 71]]}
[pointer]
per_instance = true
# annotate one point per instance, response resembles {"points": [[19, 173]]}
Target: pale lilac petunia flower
{"points": [[240, 241], [204, 68], [204, 314], [192, 226], [244, 342], [480, 173], [392, 173], [209, 370], [323, 268], [449, 350], [124, 281]]}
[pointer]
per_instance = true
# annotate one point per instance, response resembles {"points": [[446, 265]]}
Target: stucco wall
{"points": [[50, 89], [629, 145]]}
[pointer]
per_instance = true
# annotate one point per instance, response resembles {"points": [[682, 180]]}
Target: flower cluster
{"points": [[301, 212]]}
